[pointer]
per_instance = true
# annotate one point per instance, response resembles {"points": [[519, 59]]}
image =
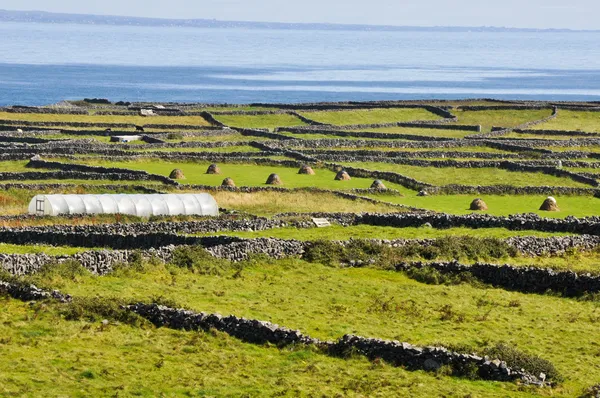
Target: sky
{"points": [[572, 14]]}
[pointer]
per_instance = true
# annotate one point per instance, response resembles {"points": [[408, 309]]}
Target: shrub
{"points": [[519, 359], [175, 136], [431, 276], [198, 260], [98, 308]]}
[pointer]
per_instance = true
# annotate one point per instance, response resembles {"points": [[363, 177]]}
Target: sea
{"points": [[43, 63]]}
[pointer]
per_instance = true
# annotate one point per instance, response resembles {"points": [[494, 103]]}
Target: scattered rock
{"points": [[422, 193]]}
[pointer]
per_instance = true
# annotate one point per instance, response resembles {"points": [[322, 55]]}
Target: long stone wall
{"points": [[393, 352]]}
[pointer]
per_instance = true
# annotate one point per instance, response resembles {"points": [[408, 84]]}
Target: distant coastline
{"points": [[89, 19]]}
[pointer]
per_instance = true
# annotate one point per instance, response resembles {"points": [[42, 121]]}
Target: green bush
{"points": [[175, 136], [451, 247], [519, 359], [94, 309], [513, 357], [196, 259]]}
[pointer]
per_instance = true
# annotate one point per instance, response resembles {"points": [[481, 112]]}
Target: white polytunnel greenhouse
{"points": [[141, 205]]}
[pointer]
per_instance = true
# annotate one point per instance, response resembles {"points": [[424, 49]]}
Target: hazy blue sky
{"points": [[575, 14]]}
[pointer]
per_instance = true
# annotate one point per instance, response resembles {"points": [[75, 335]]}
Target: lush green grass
{"points": [[370, 116], [579, 206], [412, 150], [423, 132], [573, 120], [500, 118], [269, 121], [541, 136], [42, 352], [242, 174], [591, 148], [337, 232], [225, 149], [14, 166], [468, 176], [326, 303], [329, 137], [6, 248], [139, 120]]}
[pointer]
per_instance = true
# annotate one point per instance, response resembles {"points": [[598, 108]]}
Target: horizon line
{"points": [[289, 25]]}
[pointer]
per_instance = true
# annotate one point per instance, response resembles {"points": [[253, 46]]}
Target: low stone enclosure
{"points": [[60, 151], [262, 332]]}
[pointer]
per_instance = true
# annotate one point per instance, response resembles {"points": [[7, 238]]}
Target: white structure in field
{"points": [[139, 205]]}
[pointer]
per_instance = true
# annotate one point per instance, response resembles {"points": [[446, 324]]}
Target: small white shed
{"points": [[141, 205]]}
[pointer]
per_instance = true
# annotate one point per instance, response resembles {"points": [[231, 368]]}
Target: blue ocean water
{"points": [[46, 63]]}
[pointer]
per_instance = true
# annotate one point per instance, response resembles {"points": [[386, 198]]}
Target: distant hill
{"points": [[58, 18]]}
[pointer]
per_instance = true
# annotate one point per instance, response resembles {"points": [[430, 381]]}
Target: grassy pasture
{"points": [[14, 166], [442, 133], [541, 136], [327, 303], [574, 121], [269, 121], [337, 232], [370, 116], [270, 203], [467, 176], [415, 150], [46, 249], [81, 358], [139, 120], [242, 174], [225, 149], [500, 118], [501, 205], [330, 136]]}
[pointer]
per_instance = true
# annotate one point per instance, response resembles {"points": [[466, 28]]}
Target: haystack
{"points": [[549, 204], [378, 184], [274, 180], [478, 204], [213, 169], [342, 175], [228, 182], [306, 169], [176, 174]]}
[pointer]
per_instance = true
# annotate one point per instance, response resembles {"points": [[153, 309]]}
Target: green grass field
{"points": [[500, 118], [51, 349], [337, 232], [573, 120], [501, 205], [269, 121], [328, 302], [225, 149], [139, 120], [242, 174], [370, 116], [467, 176], [444, 133]]}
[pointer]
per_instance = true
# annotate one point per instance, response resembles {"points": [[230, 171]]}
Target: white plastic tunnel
{"points": [[139, 205]]}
